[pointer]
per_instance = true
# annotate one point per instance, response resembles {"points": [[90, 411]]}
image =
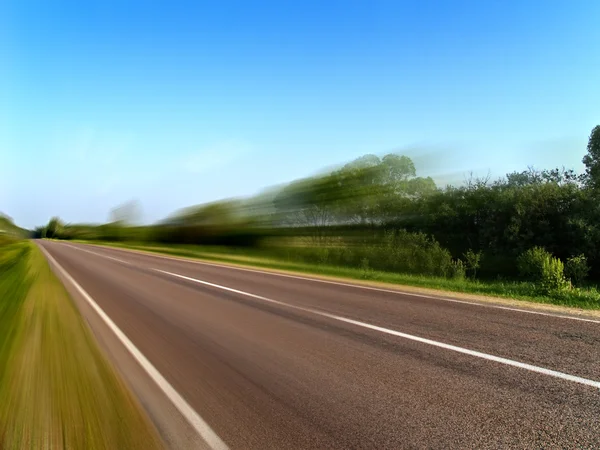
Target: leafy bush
{"points": [[577, 269], [416, 253], [553, 280], [457, 270], [531, 263], [548, 272], [472, 262]]}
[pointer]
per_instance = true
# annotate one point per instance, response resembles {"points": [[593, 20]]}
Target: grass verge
{"points": [[56, 388], [577, 298]]}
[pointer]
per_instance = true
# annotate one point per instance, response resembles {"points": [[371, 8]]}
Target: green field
{"points": [[584, 298], [56, 388]]}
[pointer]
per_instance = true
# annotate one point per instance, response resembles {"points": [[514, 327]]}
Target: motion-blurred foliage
{"points": [[378, 211], [10, 231]]}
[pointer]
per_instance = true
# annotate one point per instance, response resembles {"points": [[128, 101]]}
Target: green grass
{"points": [[56, 388], [588, 298]]}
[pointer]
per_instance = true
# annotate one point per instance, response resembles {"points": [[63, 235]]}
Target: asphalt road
{"points": [[269, 361]]}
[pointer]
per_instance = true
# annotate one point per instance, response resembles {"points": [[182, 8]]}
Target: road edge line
{"points": [[201, 427]]}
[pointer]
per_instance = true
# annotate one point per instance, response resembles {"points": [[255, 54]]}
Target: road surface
{"points": [[225, 357]]}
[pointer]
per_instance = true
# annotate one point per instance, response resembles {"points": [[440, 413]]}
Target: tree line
{"points": [[380, 213]]}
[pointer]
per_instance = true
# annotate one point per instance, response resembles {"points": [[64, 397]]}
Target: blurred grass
{"points": [[56, 389], [585, 298]]}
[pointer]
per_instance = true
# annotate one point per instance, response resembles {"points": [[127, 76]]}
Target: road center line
{"points": [[127, 263], [339, 283], [199, 425], [466, 351]]}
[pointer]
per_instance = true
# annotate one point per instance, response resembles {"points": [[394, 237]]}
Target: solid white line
{"points": [[201, 427], [357, 286], [498, 359]]}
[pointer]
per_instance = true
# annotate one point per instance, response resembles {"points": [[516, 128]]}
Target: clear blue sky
{"points": [[178, 103]]}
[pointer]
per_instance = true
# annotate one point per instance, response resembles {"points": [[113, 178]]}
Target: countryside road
{"points": [[269, 361]]}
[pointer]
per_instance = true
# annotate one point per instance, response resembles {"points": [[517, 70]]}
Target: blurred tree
{"points": [[592, 159], [397, 169], [127, 213], [363, 162], [309, 203], [213, 214], [375, 191], [54, 228]]}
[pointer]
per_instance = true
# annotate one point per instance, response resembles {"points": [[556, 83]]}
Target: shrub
{"points": [[472, 262], [553, 281], [366, 272], [576, 269], [531, 262], [457, 270], [405, 252]]}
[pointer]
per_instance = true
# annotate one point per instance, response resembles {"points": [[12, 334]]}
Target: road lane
{"points": [[571, 346], [265, 376], [530, 308]]}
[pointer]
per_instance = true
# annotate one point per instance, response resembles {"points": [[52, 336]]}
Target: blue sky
{"points": [[178, 103]]}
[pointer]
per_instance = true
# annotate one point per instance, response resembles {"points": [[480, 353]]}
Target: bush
{"points": [[366, 272], [457, 270], [553, 281], [577, 269], [472, 262], [404, 252], [531, 262]]}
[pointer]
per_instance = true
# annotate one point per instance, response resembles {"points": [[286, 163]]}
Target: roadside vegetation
{"points": [[533, 234], [584, 298], [56, 389]]}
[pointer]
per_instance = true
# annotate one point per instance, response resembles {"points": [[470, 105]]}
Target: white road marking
{"points": [[98, 254], [466, 351], [357, 286], [201, 427]]}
